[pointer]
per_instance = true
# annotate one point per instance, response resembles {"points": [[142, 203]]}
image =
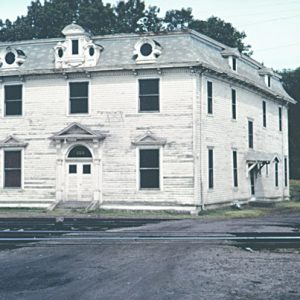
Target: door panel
{"points": [[79, 185]]}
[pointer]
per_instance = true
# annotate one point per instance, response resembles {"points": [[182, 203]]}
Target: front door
{"points": [[79, 181]]}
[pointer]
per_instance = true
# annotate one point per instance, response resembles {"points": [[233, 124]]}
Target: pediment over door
{"points": [[12, 142], [77, 132]]}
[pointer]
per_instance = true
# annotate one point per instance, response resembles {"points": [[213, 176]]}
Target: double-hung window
{"points": [[280, 118], [209, 97], [250, 134], [13, 100], [149, 95], [276, 172], [149, 168], [210, 168], [264, 108], [235, 168], [233, 103], [79, 95], [12, 168]]}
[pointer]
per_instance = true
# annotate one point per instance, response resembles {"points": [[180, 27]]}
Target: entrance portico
{"points": [[78, 163]]}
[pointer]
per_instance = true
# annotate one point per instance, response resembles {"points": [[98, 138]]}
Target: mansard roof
{"points": [[176, 49]]}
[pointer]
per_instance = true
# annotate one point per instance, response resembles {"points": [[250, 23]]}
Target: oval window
{"points": [[91, 51], [60, 52], [146, 49], [10, 58], [79, 152]]}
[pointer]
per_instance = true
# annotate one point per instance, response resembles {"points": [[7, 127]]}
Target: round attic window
{"points": [[92, 51], [146, 49], [10, 58], [60, 53]]}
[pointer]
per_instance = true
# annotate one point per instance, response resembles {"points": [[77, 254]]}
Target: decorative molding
{"points": [[149, 139], [77, 132], [154, 49], [13, 142]]}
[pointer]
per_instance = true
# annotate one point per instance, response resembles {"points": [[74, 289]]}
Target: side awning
{"points": [[258, 159]]}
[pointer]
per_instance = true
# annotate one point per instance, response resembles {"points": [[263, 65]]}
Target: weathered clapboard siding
{"points": [[182, 129], [225, 135]]}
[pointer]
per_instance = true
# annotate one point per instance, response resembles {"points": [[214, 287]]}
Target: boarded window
{"points": [[13, 100], [149, 95], [250, 134], [209, 97], [79, 97], [235, 169], [149, 169], [12, 169], [210, 168], [233, 103]]}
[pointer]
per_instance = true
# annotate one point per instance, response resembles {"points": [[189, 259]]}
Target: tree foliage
{"points": [[291, 82], [47, 20]]}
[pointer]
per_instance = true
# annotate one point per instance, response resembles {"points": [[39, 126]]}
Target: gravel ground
{"points": [[158, 269]]}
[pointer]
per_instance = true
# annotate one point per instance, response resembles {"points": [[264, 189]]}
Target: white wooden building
{"points": [[172, 121]]}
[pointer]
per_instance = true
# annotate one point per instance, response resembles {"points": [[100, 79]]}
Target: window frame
{"points": [[3, 105], [21, 150], [209, 98], [250, 135], [69, 98], [264, 113], [234, 64], [286, 176], [235, 168], [233, 104], [280, 118], [210, 169], [276, 173], [138, 95], [138, 176], [72, 47]]}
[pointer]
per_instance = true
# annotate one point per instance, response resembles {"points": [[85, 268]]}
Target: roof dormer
{"points": [[146, 51], [267, 73], [77, 49], [232, 54], [11, 58]]}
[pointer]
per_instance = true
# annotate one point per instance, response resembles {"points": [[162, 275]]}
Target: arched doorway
{"points": [[79, 174]]}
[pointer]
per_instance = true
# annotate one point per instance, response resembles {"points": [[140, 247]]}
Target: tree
{"points": [[48, 19], [291, 82]]}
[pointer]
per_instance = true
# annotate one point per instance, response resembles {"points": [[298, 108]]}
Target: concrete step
{"points": [[73, 204]]}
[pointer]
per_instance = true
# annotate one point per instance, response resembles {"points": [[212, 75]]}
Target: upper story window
{"points": [[149, 95], [79, 98], [233, 103], [149, 168], [268, 79], [75, 47], [209, 97], [280, 118], [233, 63], [12, 168], [250, 134], [264, 108], [13, 100]]}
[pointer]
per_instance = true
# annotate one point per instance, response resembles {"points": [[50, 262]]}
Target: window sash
{"points": [[79, 97], [149, 169], [234, 64], [235, 170], [209, 97], [233, 100], [250, 134], [13, 100], [264, 107], [149, 95], [12, 169], [210, 169], [280, 118], [75, 47]]}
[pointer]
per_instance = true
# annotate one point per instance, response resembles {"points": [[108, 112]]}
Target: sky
{"points": [[271, 26]]}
